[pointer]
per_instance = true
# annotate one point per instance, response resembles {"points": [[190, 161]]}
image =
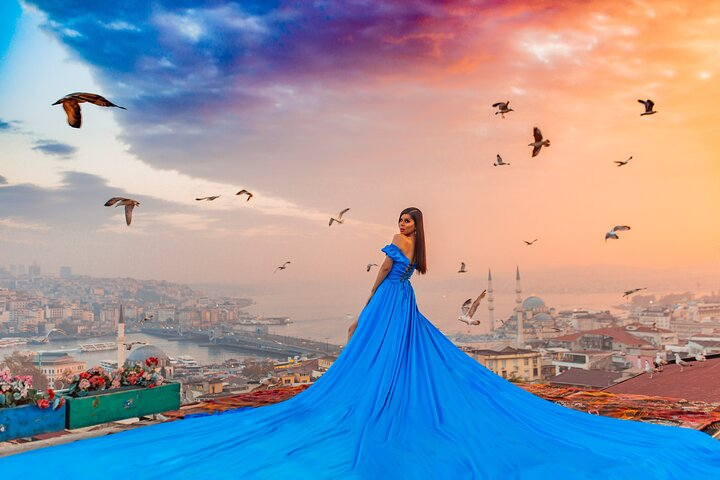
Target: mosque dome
{"points": [[543, 317], [533, 303], [143, 352]]}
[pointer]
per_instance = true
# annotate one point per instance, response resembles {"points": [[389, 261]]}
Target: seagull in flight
{"points": [[502, 108], [462, 268], [129, 205], [339, 218], [209, 199], [469, 308], [539, 142], [530, 243], [612, 234], [243, 191], [620, 163], [649, 104], [71, 104], [283, 266], [370, 265], [130, 345], [630, 292], [499, 162]]}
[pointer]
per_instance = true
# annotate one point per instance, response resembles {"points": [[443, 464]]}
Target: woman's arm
{"points": [[382, 273]]}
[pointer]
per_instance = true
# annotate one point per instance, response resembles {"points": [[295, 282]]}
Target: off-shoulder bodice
{"points": [[402, 269]]}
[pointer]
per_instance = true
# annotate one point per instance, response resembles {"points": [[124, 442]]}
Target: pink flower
{"points": [[84, 384]]}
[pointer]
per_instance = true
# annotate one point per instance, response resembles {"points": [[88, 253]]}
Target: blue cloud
{"points": [[50, 147]]}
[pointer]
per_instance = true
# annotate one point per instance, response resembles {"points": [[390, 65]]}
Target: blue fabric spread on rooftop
{"points": [[401, 402]]}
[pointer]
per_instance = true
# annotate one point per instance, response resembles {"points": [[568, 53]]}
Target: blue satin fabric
{"points": [[401, 402]]}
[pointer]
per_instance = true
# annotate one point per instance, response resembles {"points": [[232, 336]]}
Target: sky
{"points": [[376, 106]]}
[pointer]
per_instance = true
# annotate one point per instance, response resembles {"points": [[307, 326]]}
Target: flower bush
{"points": [[140, 374], [17, 390]]}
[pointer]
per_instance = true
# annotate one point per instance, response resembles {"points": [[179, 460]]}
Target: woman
{"points": [[400, 402], [411, 243]]}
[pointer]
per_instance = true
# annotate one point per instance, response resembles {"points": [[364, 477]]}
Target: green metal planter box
{"points": [[29, 420], [125, 402]]}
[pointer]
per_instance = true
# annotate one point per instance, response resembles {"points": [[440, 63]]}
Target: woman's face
{"points": [[406, 224]]}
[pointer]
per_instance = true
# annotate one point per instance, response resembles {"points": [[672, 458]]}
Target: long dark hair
{"points": [[419, 254]]}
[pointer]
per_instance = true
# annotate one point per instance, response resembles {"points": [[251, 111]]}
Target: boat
{"points": [[12, 342], [98, 347], [264, 321]]}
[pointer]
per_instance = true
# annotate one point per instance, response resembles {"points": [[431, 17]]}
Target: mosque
{"points": [[532, 315]]}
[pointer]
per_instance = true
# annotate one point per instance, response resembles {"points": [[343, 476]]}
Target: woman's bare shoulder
{"points": [[399, 240]]}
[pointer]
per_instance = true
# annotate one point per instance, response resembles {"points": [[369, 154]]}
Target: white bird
{"points": [[539, 142], [283, 266], [649, 369], [530, 243], [502, 108], [129, 205], [681, 362], [243, 191], [339, 218], [462, 268], [499, 162], [700, 357], [631, 291], [469, 308], [209, 199], [620, 163], [649, 104], [612, 234], [71, 104], [370, 265]]}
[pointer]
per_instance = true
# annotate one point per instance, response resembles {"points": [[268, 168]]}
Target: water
{"points": [[204, 355]]}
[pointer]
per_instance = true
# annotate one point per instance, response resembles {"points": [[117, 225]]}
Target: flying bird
{"points": [[283, 266], [620, 163], [340, 218], [539, 142], [530, 243], [462, 268], [129, 205], [71, 105], [243, 191], [130, 345], [649, 104], [499, 162], [502, 108], [612, 234], [630, 292], [469, 308], [681, 362], [370, 265], [209, 199]]}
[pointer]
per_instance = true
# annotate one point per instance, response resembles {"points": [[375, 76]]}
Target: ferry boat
{"points": [[264, 321], [98, 347], [12, 342]]}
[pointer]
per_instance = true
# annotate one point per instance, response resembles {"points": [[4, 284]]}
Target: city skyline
{"points": [[369, 108]]}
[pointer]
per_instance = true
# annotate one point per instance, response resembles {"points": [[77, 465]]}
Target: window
{"points": [[535, 360], [527, 361], [504, 363], [535, 372], [515, 361], [504, 373]]}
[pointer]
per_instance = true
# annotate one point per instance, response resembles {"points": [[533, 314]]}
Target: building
{"points": [[583, 360], [586, 379], [510, 363], [54, 365], [657, 336]]}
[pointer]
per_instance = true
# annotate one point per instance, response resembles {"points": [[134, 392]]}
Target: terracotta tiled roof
{"points": [[699, 382], [639, 327], [619, 335]]}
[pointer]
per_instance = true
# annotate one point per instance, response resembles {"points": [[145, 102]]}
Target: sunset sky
{"points": [[370, 105]]}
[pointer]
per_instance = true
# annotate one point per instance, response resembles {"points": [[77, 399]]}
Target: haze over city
{"points": [[373, 107]]}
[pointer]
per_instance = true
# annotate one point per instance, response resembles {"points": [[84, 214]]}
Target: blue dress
{"points": [[401, 402]]}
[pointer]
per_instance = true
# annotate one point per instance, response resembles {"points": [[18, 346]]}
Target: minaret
{"points": [[121, 338], [491, 307], [519, 315]]}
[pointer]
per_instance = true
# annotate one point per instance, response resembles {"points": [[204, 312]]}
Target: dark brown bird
{"points": [[129, 205], [243, 191], [71, 104], [539, 142], [209, 199]]}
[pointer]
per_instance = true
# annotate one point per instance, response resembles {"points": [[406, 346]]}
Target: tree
{"points": [[22, 363]]}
